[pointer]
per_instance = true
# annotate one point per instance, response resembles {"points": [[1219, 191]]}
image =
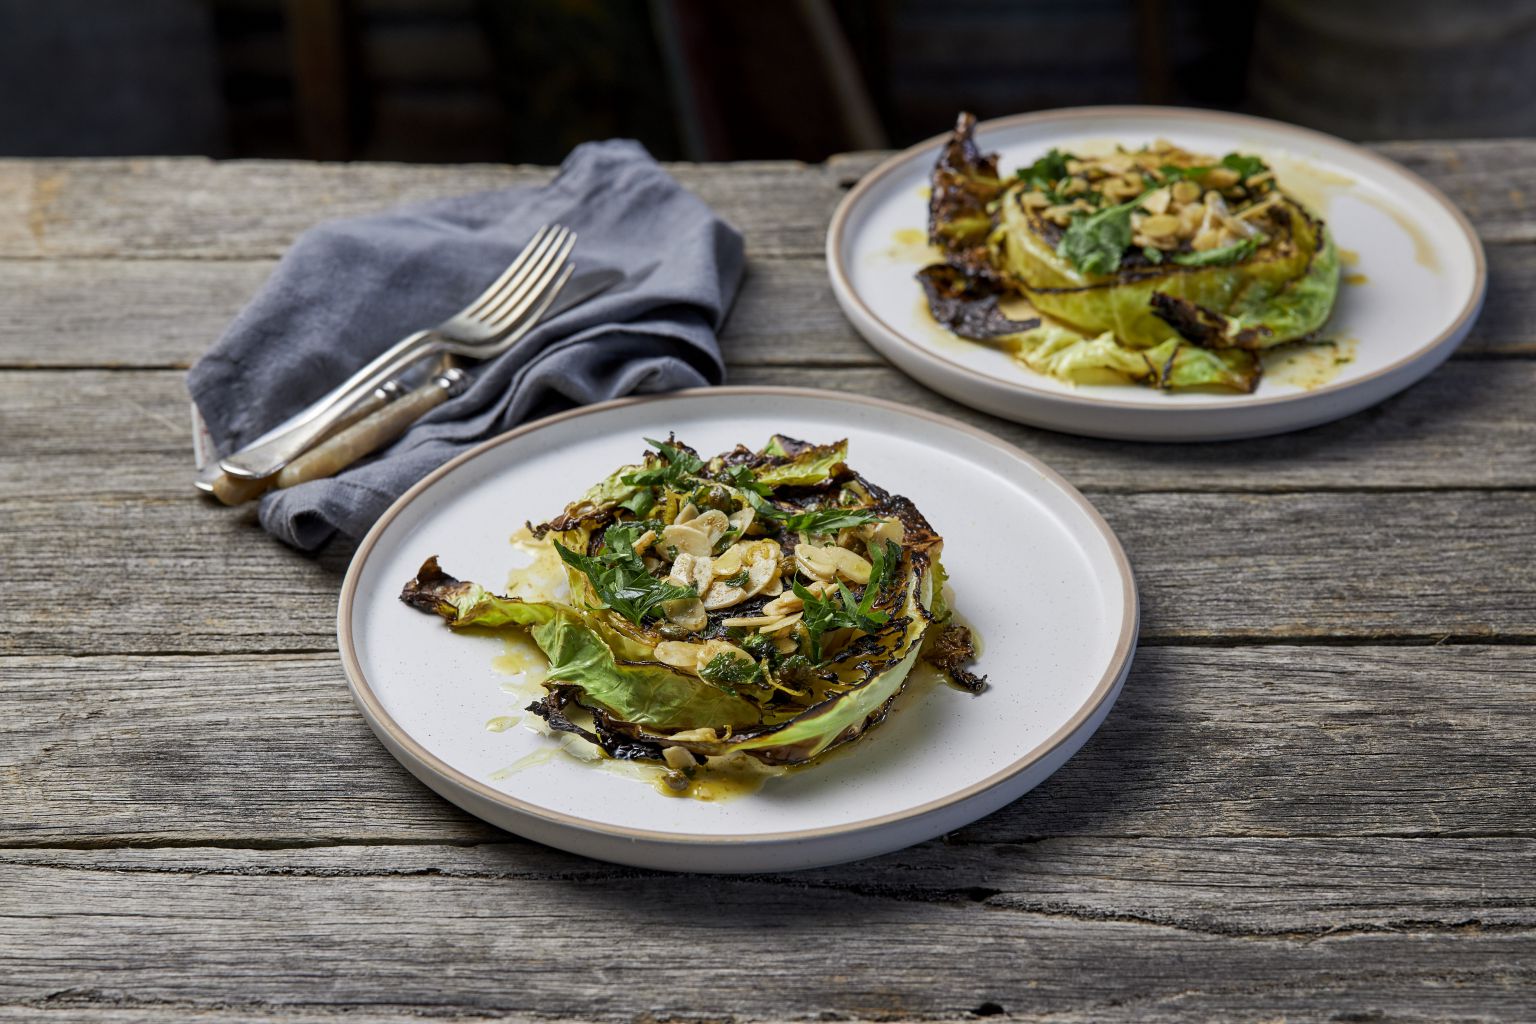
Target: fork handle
{"points": [[324, 416], [370, 434]]}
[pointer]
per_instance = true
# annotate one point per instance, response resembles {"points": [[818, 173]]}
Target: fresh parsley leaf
{"points": [[742, 478], [676, 467], [822, 615], [620, 578], [641, 502], [757, 645], [738, 580], [1246, 165], [729, 670], [828, 520], [1170, 173], [1153, 254], [1094, 243], [1215, 257], [1047, 170], [822, 520]]}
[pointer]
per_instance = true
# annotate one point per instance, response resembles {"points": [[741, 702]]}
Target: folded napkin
{"points": [[348, 289]]}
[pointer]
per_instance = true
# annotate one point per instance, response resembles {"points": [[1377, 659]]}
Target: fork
{"points": [[487, 327]]}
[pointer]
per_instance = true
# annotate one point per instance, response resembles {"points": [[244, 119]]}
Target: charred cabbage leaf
{"points": [[964, 188], [1156, 266], [770, 603], [967, 307]]}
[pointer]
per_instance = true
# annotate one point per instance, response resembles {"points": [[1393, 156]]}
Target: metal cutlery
{"points": [[488, 326], [363, 414]]}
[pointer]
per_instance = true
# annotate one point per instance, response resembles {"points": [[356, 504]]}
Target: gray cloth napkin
{"points": [[348, 289]]}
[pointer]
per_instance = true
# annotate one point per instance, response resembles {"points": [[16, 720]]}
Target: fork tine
{"points": [[496, 286], [550, 294], [516, 279], [537, 279]]}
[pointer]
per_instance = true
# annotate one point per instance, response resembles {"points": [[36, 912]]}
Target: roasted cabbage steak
{"points": [[770, 603], [1154, 265]]}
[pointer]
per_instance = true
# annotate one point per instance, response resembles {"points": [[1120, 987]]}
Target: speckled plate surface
{"points": [[1055, 608], [1414, 280]]}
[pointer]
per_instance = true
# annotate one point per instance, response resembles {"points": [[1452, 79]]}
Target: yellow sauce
{"points": [[1356, 280], [1309, 365], [1423, 251], [717, 779], [520, 657], [542, 577], [1349, 257], [910, 245]]}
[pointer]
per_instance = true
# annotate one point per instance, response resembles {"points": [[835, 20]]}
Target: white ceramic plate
{"points": [[1415, 278], [1055, 608]]}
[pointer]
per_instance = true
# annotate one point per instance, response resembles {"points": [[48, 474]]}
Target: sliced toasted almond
{"points": [[713, 523], [1157, 201], [688, 539], [730, 560], [722, 595], [1221, 177], [749, 620], [1185, 191], [679, 654], [887, 529], [1161, 225], [781, 625], [678, 758]]}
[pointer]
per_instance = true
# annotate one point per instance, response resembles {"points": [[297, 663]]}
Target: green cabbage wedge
{"points": [[1175, 311], [619, 669]]}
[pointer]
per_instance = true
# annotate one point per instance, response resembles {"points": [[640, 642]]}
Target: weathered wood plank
{"points": [[1466, 426], [654, 945], [186, 208], [1254, 566], [159, 313], [1288, 888], [195, 208], [231, 749]]}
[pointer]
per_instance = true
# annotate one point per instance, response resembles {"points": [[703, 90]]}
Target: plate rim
{"points": [[843, 288], [379, 719]]}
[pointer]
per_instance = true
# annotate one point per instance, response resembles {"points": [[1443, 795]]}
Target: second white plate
{"points": [[1415, 278], [1034, 570]]}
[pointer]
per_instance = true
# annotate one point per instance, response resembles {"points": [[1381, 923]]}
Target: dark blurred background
{"points": [[525, 80]]}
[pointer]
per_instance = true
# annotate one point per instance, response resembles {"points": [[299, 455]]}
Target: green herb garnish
{"points": [[1244, 164], [822, 615], [1214, 257], [822, 520], [677, 466], [1046, 171], [1095, 243], [729, 670], [641, 502], [620, 578]]}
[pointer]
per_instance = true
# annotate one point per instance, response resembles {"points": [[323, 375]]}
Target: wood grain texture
{"points": [[1225, 742], [452, 931], [190, 208], [1466, 426], [165, 313], [1275, 567], [1306, 805]]}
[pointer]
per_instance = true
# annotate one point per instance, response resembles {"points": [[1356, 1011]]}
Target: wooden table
{"points": [[1314, 800]]}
